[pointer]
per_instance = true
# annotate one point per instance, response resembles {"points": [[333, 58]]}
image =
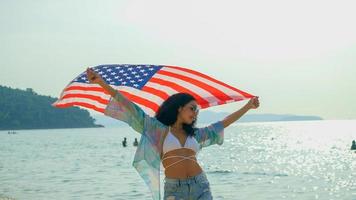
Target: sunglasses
{"points": [[194, 108]]}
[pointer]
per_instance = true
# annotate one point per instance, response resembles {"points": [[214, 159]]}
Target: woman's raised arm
{"points": [[252, 104]]}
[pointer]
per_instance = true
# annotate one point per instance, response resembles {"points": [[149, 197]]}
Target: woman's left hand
{"points": [[253, 103]]}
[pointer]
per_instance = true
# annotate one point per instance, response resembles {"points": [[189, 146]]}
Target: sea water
{"points": [[275, 160]]}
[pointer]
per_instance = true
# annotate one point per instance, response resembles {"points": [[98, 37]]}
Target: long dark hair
{"points": [[168, 111]]}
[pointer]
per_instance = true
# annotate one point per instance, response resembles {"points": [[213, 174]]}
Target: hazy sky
{"points": [[298, 56]]}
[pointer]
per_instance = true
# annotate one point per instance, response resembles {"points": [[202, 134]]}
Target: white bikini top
{"points": [[171, 143]]}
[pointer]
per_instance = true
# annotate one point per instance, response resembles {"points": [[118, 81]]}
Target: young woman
{"points": [[170, 138]]}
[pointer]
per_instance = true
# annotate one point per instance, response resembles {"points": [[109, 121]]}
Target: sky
{"points": [[297, 56]]}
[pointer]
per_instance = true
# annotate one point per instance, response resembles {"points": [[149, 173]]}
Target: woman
{"points": [[170, 138]]}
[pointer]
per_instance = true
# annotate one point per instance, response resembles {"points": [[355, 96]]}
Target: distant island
{"points": [[210, 116], [25, 109], [206, 117]]}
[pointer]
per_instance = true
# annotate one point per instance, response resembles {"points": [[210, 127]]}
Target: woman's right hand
{"points": [[93, 77]]}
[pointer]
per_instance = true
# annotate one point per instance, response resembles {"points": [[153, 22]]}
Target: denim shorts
{"points": [[192, 188]]}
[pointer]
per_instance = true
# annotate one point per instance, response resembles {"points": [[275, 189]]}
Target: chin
{"points": [[188, 122]]}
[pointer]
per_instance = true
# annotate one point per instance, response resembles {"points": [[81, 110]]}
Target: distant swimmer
{"points": [[353, 146], [124, 142], [11, 132], [135, 143]]}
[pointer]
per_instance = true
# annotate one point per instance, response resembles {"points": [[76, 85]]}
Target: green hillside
{"points": [[24, 109]]}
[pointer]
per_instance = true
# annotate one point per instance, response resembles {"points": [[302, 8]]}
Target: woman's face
{"points": [[189, 112]]}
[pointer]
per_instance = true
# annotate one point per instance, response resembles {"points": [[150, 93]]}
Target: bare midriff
{"points": [[185, 168]]}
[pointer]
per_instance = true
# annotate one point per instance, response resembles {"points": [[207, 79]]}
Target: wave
{"points": [[220, 172], [264, 174]]}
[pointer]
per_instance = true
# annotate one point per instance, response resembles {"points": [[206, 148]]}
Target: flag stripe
{"points": [[180, 89], [143, 94], [204, 94], [85, 102], [140, 100], [99, 94], [212, 79], [88, 96], [131, 94], [168, 90], [86, 87], [152, 90], [223, 89], [81, 101], [217, 93], [86, 105]]}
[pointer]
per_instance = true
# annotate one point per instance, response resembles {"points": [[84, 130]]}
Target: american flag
{"points": [[148, 86]]}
